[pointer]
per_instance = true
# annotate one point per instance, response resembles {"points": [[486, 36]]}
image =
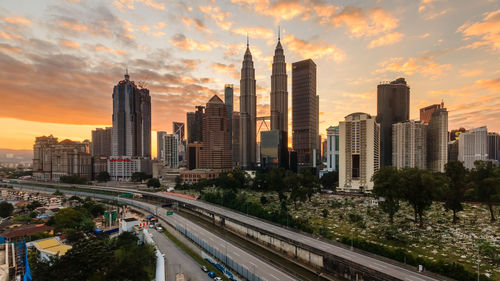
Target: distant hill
{"points": [[14, 155]]}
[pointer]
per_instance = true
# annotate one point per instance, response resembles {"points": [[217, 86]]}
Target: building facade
{"points": [[493, 146], [332, 148], [131, 120], [273, 151], [393, 106], [236, 138], [473, 146], [53, 159], [171, 152], [121, 168], [359, 152], [228, 100], [248, 113], [305, 112], [437, 138], [194, 149], [279, 93], [101, 142], [409, 144], [160, 152], [216, 152]]}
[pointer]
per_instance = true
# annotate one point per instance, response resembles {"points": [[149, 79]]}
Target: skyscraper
{"points": [[228, 100], [160, 146], [393, 106], [248, 113], [409, 144], [178, 129], [216, 152], [332, 148], [473, 146], [493, 146], [437, 138], [359, 152], [101, 142], [195, 125], [279, 93], [236, 138], [305, 112], [170, 148], [131, 120]]}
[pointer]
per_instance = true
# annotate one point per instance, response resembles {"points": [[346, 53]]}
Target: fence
{"points": [[241, 270]]}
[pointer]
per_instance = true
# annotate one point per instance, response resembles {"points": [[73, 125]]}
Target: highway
{"points": [[254, 264]]}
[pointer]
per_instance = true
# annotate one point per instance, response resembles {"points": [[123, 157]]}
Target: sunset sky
{"points": [[59, 60]]}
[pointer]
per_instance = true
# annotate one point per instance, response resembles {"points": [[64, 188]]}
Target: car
{"points": [[211, 274], [217, 279], [204, 268]]}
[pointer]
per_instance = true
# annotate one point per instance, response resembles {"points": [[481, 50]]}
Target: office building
{"points": [[170, 150], [437, 138], [216, 152], [53, 159], [305, 112], [359, 152], [178, 129], [473, 146], [273, 149], [393, 106], [195, 125], [193, 160], [332, 148], [228, 100], [493, 146], [160, 150], [409, 144], [101, 142], [131, 120], [279, 93], [121, 168], [248, 113], [236, 138], [453, 150]]}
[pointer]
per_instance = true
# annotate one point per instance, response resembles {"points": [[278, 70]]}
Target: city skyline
{"points": [[62, 75]]}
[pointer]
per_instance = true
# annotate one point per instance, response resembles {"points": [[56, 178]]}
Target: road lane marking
{"points": [[274, 276], [413, 278], [236, 254]]}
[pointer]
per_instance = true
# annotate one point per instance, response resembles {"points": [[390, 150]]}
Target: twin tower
{"points": [[248, 103]]}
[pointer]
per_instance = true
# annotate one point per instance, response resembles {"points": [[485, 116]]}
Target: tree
{"points": [[73, 219], [178, 182], [419, 190], [103, 176], [153, 182], [6, 209], [486, 180], [292, 184], [73, 179], [275, 179], [330, 180], [309, 181], [456, 173], [387, 186], [324, 213], [58, 193], [33, 205], [139, 176]]}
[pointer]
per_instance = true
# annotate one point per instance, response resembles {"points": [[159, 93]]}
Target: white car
{"points": [[217, 279]]}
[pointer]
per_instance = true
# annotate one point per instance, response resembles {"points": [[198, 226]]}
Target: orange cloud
{"points": [[197, 23], [471, 72], [227, 69], [160, 25], [109, 50], [309, 50], [129, 4], [360, 23], [182, 42], [280, 10], [73, 25], [9, 48], [69, 44], [9, 36], [17, 20], [492, 85], [254, 32], [387, 39], [488, 30], [422, 65], [220, 17]]}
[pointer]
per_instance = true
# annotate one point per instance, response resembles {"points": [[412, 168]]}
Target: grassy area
{"points": [[194, 255]]}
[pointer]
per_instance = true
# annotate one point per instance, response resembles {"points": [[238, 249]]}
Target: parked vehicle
{"points": [[211, 274], [204, 268], [217, 279]]}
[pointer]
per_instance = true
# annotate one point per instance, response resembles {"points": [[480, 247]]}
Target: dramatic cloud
{"points": [[182, 42], [220, 17], [365, 23], [129, 4], [471, 72], [493, 84], [488, 30], [388, 39], [254, 32], [69, 44], [17, 20], [425, 66], [197, 23], [229, 69], [306, 49]]}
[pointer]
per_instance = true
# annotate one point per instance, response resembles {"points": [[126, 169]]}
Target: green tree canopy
{"points": [[6, 209], [456, 174], [139, 177], [486, 179], [103, 176], [330, 180], [153, 182], [419, 190], [388, 187]]}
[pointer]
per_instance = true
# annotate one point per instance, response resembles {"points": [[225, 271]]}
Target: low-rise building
{"points": [[50, 247], [121, 168], [194, 176]]}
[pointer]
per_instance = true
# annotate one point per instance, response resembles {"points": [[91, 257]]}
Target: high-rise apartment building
{"points": [[236, 138], [195, 125], [272, 151], [178, 129], [101, 142], [193, 152], [228, 100], [437, 137], [473, 146], [393, 106], [216, 152], [248, 113], [160, 146], [332, 148], [493, 146], [279, 93], [171, 152], [409, 144], [453, 150], [131, 120], [53, 159], [359, 152], [305, 112]]}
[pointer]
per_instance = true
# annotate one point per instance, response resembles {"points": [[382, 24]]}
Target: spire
{"points": [[279, 33], [127, 77], [247, 40]]}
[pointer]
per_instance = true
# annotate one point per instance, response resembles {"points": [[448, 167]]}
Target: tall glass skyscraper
{"points": [[228, 100]]}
